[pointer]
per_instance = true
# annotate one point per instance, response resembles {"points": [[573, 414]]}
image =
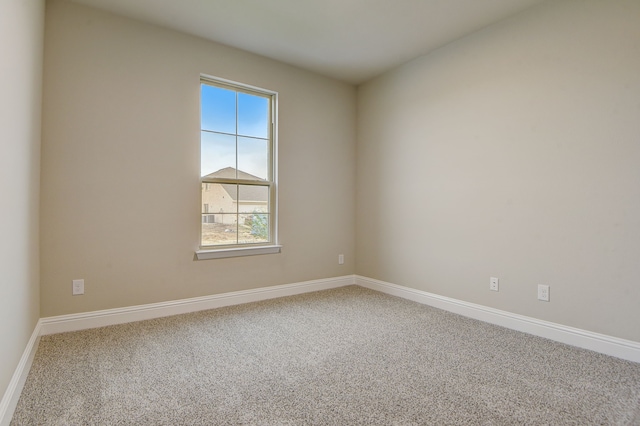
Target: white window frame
{"points": [[235, 250]]}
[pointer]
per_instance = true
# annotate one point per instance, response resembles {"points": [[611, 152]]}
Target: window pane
{"points": [[253, 228], [253, 199], [218, 109], [217, 153], [253, 115], [253, 155], [225, 231], [219, 198], [236, 146]]}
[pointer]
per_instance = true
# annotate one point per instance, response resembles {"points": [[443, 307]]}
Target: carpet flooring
{"points": [[348, 356]]}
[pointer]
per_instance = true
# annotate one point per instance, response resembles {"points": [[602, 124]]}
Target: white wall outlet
{"points": [[78, 287], [341, 259], [494, 284], [543, 292]]}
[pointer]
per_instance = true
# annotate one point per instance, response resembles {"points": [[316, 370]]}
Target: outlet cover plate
{"points": [[543, 292], [494, 284], [78, 287]]}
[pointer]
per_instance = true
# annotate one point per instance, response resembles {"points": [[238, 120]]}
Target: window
{"points": [[237, 169]]}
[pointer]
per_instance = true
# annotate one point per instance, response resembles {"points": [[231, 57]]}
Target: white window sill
{"points": [[236, 252]]}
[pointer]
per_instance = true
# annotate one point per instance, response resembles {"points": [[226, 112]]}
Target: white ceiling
{"points": [[351, 40]]}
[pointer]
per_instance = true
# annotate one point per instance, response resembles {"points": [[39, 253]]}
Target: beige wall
{"points": [[21, 28], [120, 167], [515, 153]]}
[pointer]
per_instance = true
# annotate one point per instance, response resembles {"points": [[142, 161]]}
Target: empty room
{"points": [[415, 212]]}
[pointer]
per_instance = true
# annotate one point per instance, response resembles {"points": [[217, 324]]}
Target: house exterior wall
{"points": [[218, 201], [215, 200]]}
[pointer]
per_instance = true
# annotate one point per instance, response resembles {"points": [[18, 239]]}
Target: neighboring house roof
{"points": [[249, 193], [230, 173]]}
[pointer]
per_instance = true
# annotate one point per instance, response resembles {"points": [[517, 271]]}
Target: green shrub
{"points": [[260, 226]]}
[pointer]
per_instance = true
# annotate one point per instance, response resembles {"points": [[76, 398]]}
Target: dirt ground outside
{"points": [[221, 234]]}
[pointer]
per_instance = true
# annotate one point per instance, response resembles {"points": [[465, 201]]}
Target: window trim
{"points": [[237, 250]]}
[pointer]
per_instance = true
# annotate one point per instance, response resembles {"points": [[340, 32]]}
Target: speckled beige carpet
{"points": [[338, 357]]}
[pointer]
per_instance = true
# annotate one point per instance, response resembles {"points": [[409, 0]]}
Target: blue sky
{"points": [[218, 114]]}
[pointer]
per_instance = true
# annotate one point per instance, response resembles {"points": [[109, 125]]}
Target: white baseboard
{"points": [[82, 321], [12, 394], [608, 345]]}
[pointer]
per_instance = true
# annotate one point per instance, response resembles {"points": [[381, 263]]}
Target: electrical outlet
{"points": [[78, 287], [341, 259], [494, 284], [543, 292]]}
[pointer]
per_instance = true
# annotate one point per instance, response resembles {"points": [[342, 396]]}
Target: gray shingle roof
{"points": [[230, 173]]}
